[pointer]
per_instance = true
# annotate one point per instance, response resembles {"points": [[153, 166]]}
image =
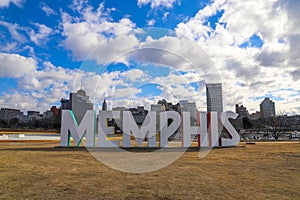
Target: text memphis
{"points": [[207, 129]]}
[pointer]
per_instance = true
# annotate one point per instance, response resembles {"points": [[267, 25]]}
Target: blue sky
{"points": [[50, 48], [31, 12]]}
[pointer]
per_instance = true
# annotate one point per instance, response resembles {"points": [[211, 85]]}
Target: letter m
{"points": [[131, 128], [70, 127]]}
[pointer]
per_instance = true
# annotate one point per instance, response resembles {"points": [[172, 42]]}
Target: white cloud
{"points": [[15, 31], [41, 36], [157, 3], [5, 3], [177, 53], [43, 87], [95, 28], [134, 75], [30, 50], [178, 87], [19, 33], [82, 43], [49, 11], [9, 47], [180, 54], [151, 22], [126, 93], [249, 73], [78, 4], [14, 65], [165, 16]]}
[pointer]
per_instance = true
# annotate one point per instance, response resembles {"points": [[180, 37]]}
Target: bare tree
{"points": [[275, 125]]}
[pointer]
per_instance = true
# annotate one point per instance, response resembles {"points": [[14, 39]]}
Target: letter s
{"points": [[235, 137]]}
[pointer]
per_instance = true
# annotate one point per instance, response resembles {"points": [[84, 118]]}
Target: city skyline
{"points": [[79, 102], [216, 91], [48, 52]]}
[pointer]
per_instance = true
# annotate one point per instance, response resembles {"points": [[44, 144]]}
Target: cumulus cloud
{"points": [[180, 54], [271, 58], [41, 36], [5, 3], [48, 11], [177, 86], [134, 75], [157, 3], [46, 85], [14, 65], [151, 22], [21, 34], [95, 28], [249, 73], [8, 46], [246, 72], [16, 31], [115, 42]]}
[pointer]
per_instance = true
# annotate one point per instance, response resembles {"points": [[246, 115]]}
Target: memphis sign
{"points": [[207, 129]]}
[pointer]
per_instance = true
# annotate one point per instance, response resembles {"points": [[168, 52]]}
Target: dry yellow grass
{"points": [[261, 171], [28, 132]]}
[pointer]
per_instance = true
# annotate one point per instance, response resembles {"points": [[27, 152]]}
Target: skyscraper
{"points": [[79, 103], [214, 98], [190, 107], [267, 108], [158, 108]]}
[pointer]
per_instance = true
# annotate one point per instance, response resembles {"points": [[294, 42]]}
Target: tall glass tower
{"points": [[214, 98]]}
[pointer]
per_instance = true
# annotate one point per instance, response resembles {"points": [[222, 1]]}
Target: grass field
{"points": [[262, 171]]}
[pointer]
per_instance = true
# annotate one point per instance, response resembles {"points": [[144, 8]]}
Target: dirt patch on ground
{"points": [[261, 171]]}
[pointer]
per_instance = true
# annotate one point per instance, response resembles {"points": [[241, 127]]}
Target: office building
{"points": [[33, 113], [65, 104], [139, 114], [79, 103], [214, 98], [255, 115], [118, 122], [267, 108], [158, 108], [186, 106], [241, 110], [53, 112], [168, 106], [9, 113], [182, 106]]}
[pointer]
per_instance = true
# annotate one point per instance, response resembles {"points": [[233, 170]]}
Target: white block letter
{"points": [[189, 130], [148, 126], [69, 127], [103, 130], [165, 130], [213, 129], [235, 138]]}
